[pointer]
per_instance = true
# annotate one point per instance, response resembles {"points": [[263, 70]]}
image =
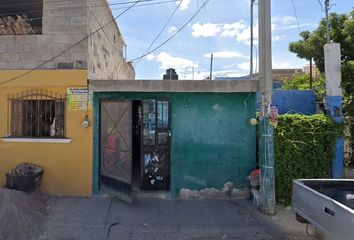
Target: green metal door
{"points": [[116, 149], [156, 144]]}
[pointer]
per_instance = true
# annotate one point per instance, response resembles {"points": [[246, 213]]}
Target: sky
{"points": [[221, 28]]}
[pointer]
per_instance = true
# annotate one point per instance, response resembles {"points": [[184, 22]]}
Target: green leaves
{"points": [[348, 102], [304, 148], [311, 43], [301, 81]]}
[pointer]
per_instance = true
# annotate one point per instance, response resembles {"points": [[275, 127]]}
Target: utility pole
{"points": [[193, 71], [311, 80], [211, 66], [266, 140], [327, 21], [334, 97], [251, 52]]}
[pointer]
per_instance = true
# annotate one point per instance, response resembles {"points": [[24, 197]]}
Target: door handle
{"points": [[169, 133], [329, 211]]}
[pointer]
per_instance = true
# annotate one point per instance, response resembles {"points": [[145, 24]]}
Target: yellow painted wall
{"points": [[67, 167]]}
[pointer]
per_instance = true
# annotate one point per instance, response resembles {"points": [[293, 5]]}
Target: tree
{"points": [[311, 45], [304, 50], [348, 103]]}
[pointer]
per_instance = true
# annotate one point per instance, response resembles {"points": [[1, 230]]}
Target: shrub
{"points": [[304, 148]]}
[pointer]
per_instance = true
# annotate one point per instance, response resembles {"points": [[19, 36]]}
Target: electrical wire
{"points": [[69, 48], [319, 2], [164, 27], [69, 2], [297, 19], [83, 7], [179, 30]]}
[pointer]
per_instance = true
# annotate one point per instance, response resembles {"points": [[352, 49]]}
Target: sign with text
{"points": [[78, 99]]}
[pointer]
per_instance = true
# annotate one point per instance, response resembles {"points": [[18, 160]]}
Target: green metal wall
{"points": [[212, 140]]}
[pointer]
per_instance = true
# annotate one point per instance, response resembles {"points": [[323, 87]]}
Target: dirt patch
{"points": [[21, 214]]}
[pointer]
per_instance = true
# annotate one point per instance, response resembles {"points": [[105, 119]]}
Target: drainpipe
{"points": [[266, 140]]}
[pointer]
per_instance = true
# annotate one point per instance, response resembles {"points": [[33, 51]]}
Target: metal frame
{"points": [[156, 145], [112, 184], [38, 95], [96, 134]]}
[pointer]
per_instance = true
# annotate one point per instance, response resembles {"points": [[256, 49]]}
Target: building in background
{"points": [[315, 71], [170, 74], [46, 57]]}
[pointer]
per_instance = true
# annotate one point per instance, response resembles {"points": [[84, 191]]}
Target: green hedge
{"points": [[304, 148]]}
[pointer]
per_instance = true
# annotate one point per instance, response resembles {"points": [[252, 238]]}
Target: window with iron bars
{"points": [[36, 114]]}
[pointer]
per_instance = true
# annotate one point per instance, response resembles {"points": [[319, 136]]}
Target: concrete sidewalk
{"points": [[145, 219]]}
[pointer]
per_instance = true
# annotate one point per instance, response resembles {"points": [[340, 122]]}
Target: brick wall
{"points": [[63, 25], [106, 47]]}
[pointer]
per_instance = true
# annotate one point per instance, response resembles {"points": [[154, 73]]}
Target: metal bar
{"points": [[8, 116], [251, 52], [38, 103], [24, 111], [211, 66], [156, 119]]}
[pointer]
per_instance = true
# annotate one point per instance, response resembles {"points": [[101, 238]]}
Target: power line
{"points": [[69, 1], [113, 9], [319, 2], [297, 19], [180, 29], [83, 7], [69, 48], [164, 27]]}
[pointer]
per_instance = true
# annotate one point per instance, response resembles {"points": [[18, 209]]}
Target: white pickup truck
{"points": [[328, 204]]}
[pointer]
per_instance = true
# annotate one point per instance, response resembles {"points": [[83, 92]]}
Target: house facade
{"points": [[172, 136], [47, 56]]}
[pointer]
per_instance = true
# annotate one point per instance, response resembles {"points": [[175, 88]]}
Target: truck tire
{"points": [[300, 219]]}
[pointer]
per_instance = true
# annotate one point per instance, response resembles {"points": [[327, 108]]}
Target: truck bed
{"points": [[326, 203]]}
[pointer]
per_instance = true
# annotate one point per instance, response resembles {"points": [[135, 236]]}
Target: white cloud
{"points": [[278, 37], [241, 31], [171, 30], [244, 66], [167, 61], [232, 30], [184, 4], [283, 20], [229, 66], [280, 23], [150, 57], [225, 54], [205, 30]]}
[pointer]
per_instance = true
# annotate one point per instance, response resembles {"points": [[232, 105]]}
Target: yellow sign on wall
{"points": [[78, 98]]}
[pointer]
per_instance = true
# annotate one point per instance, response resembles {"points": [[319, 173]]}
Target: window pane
{"points": [[160, 114], [162, 107], [149, 122], [165, 114], [37, 117], [162, 138]]}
